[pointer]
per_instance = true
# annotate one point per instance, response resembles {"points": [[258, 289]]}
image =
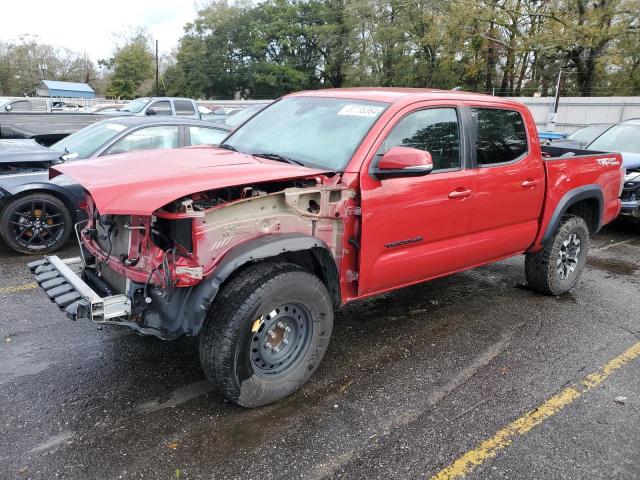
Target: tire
{"points": [[35, 224], [556, 268], [242, 345]]}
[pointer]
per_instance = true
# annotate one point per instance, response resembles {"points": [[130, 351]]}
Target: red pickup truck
{"points": [[322, 198]]}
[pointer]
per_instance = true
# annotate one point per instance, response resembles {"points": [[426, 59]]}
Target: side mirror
{"points": [[403, 162], [151, 111], [8, 108]]}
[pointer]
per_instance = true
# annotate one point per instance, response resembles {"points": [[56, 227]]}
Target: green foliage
{"points": [[506, 47], [132, 64], [24, 63]]}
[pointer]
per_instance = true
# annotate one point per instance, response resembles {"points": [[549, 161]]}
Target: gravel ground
{"points": [[412, 380]]}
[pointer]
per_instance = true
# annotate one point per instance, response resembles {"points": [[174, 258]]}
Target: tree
{"points": [[131, 64]]}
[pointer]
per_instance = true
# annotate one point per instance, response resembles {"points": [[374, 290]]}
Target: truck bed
{"points": [[46, 128], [572, 170], [549, 152]]}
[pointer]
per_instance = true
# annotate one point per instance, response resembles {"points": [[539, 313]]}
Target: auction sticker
{"points": [[355, 110]]}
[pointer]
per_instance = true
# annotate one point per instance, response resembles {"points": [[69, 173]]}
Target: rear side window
{"points": [[184, 108], [206, 136], [38, 106], [501, 136]]}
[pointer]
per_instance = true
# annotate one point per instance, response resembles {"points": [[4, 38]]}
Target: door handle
{"points": [[529, 183], [460, 193]]}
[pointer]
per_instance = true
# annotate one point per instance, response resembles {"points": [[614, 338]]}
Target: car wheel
{"points": [[267, 333], [556, 268], [37, 223]]}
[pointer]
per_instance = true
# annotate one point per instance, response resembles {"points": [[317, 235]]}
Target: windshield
{"points": [[317, 131], [587, 134], [136, 105], [85, 142], [243, 115], [619, 138]]}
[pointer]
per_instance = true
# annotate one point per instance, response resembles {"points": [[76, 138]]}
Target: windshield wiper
{"points": [[227, 147], [278, 157]]}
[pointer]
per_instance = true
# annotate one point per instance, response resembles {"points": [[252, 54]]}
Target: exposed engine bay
{"points": [[154, 260]]}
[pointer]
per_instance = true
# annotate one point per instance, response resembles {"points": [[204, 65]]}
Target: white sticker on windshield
{"points": [[355, 110], [116, 127]]}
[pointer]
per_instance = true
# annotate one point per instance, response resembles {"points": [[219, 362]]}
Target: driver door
{"points": [[416, 228]]}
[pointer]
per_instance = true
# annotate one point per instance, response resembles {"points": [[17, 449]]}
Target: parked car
{"points": [[159, 106], [104, 108], [323, 198], [62, 106], [243, 115], [581, 137], [221, 114], [36, 215], [23, 105], [625, 138]]}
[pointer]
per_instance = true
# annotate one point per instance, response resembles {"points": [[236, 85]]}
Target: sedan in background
{"points": [[625, 138], [37, 215], [581, 137]]}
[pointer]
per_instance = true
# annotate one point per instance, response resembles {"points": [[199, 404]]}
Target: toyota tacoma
{"points": [[322, 198]]}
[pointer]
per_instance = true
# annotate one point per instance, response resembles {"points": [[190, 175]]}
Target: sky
{"points": [[88, 26]]}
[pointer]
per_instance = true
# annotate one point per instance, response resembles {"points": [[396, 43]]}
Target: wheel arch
{"points": [[586, 202], [310, 253], [30, 188]]}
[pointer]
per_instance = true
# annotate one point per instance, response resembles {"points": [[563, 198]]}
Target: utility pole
{"points": [[157, 69], [551, 117]]}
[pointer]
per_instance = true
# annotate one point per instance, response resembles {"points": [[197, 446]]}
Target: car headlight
{"points": [[63, 181]]}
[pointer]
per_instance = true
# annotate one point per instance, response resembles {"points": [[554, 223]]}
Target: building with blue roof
{"points": [[54, 88]]}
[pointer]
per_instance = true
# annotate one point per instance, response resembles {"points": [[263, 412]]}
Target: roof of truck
{"points": [[397, 95]]}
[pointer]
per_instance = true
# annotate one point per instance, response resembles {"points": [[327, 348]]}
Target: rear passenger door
{"points": [[509, 185]]}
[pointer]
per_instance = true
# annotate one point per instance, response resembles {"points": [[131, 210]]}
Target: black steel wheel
{"points": [[35, 224], [280, 339], [266, 333]]}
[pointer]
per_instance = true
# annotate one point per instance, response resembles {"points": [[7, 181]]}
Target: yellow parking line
{"points": [[504, 437], [18, 288]]}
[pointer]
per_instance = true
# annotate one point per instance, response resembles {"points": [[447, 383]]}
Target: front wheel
{"points": [[556, 268], [266, 334], [36, 223]]}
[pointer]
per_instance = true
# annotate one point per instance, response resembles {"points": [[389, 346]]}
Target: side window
{"points": [[20, 106], [161, 108], [149, 138], [184, 107], [206, 136], [434, 130], [500, 135], [38, 105]]}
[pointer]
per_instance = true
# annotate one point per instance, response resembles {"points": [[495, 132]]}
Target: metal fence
{"points": [[576, 112]]}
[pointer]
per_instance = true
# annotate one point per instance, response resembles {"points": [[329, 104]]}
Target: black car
{"points": [[37, 215]]}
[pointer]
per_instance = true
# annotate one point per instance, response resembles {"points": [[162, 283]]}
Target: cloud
{"points": [[89, 26]]}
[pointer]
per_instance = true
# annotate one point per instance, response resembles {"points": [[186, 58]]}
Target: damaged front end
{"points": [[159, 274]]}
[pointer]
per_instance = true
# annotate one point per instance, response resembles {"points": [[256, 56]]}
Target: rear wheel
{"points": [[556, 268], [35, 224], [266, 334]]}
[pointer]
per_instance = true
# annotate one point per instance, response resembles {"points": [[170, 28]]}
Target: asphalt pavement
{"points": [[470, 376]]}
